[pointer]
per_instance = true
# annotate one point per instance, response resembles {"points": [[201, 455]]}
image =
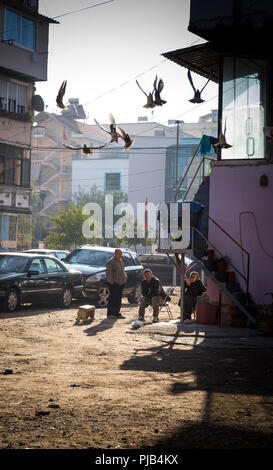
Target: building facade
{"points": [[24, 37], [238, 56]]}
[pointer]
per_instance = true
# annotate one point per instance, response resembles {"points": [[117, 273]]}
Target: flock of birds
{"points": [[153, 99]]}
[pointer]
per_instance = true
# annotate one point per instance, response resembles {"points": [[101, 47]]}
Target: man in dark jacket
{"points": [[152, 294], [193, 288]]}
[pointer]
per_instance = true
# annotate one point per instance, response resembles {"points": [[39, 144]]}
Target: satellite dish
{"points": [[37, 103]]}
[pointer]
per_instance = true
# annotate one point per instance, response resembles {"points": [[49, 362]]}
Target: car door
{"points": [[36, 282], [129, 269], [57, 276]]}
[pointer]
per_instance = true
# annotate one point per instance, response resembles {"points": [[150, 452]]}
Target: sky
{"points": [[102, 48]]}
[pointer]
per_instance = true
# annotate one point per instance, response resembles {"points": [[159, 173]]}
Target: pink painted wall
{"points": [[235, 188]]}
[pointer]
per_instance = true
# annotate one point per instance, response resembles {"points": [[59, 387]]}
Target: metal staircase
{"points": [[199, 239]]}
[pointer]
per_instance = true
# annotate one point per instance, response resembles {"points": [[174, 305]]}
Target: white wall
{"points": [[86, 173], [147, 169]]}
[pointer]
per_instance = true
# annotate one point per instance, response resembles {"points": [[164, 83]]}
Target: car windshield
{"points": [[89, 257], [12, 264]]}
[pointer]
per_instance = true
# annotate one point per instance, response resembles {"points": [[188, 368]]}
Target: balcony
{"points": [[26, 117]]}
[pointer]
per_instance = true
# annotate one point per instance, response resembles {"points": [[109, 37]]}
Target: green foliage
{"points": [[67, 229], [95, 195], [264, 311]]}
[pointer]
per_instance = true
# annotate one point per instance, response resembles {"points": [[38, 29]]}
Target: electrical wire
{"points": [[258, 234], [4, 32], [82, 9]]}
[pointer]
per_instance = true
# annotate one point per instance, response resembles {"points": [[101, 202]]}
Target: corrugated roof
{"points": [[202, 59]]}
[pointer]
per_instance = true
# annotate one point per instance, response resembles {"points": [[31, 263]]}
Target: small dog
{"points": [[85, 312]]}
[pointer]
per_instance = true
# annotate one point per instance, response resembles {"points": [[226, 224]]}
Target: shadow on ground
{"points": [[215, 436]]}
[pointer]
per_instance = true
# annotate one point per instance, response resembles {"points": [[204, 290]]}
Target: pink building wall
{"points": [[235, 188]]}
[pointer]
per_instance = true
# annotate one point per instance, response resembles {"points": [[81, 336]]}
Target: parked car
{"points": [[60, 254], [91, 261], [28, 277], [162, 267]]}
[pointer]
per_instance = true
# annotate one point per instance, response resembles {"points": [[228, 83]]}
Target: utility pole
{"points": [[176, 183], [182, 265]]}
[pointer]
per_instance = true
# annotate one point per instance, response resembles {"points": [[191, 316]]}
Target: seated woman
{"points": [[193, 288]]}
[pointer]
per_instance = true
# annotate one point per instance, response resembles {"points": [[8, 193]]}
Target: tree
{"points": [[81, 198], [95, 195], [67, 229], [37, 198]]}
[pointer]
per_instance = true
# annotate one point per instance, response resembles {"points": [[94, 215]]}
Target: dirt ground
{"points": [[103, 385]]}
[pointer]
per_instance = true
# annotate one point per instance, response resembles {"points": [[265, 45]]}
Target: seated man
{"points": [[152, 294], [193, 288]]}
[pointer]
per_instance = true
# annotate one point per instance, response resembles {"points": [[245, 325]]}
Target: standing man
{"points": [[116, 278], [152, 294]]}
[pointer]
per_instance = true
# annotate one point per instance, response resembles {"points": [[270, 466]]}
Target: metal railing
{"points": [[209, 243], [202, 162], [183, 178]]}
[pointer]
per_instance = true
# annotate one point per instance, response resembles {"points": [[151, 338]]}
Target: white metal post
{"points": [[182, 272]]}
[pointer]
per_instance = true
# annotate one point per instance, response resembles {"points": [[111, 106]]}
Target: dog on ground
{"points": [[85, 312]]}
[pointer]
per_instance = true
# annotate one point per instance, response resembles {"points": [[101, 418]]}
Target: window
{"points": [[112, 181], [52, 266], [31, 3], [159, 133], [25, 173], [136, 259], [12, 97], [20, 29], [38, 131], [37, 264], [2, 170], [12, 264], [12, 227], [127, 258], [61, 254], [17, 172], [89, 257], [14, 171], [243, 105], [8, 227]]}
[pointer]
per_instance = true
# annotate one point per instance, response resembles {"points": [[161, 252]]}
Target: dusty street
{"points": [[102, 384]]}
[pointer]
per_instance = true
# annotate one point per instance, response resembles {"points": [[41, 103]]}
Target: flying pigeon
{"points": [[128, 141], [222, 139], [85, 149], [150, 101], [113, 130], [61, 92], [157, 90], [197, 93]]}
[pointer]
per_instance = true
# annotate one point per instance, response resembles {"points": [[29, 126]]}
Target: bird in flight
{"points": [[85, 149], [197, 93], [127, 139], [113, 129], [61, 92], [150, 101], [222, 138], [157, 90]]}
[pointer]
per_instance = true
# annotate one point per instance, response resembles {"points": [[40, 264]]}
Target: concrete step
{"points": [[243, 297]]}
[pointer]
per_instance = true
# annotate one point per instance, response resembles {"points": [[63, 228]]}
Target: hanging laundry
{"points": [[205, 146]]}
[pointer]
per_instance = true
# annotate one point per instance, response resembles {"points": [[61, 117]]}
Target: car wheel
{"points": [[11, 300], [103, 295], [66, 297], [135, 297]]}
